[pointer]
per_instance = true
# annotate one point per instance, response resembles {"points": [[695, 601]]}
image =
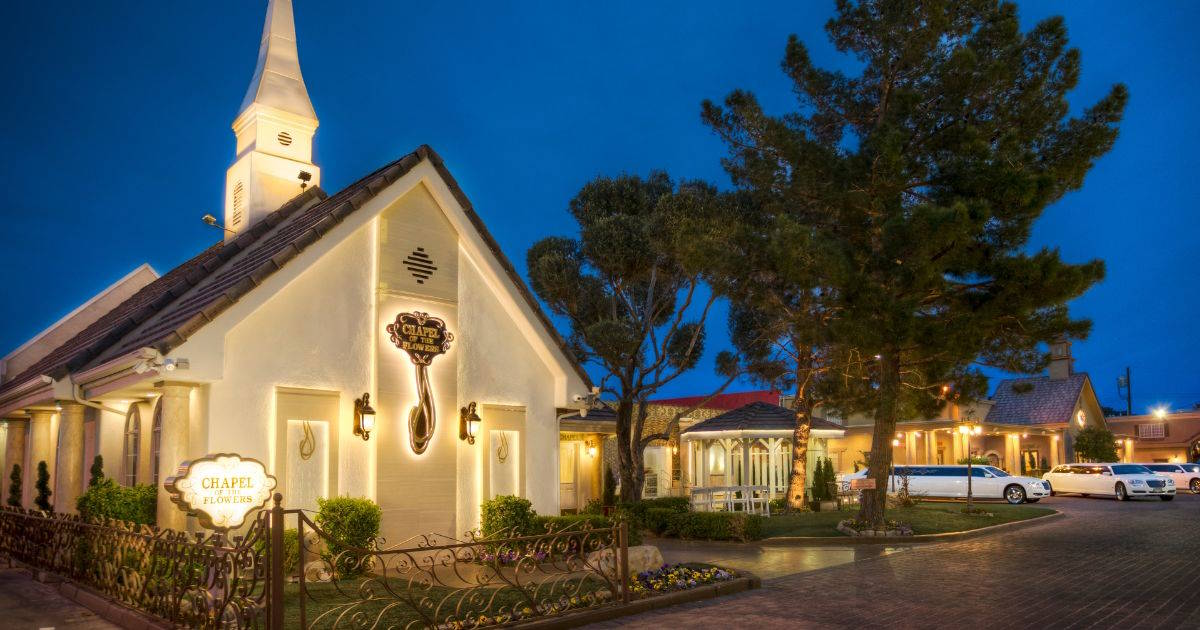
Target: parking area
{"points": [[1107, 564]]}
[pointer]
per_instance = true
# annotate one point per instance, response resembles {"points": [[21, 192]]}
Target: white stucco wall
{"points": [[312, 333]]}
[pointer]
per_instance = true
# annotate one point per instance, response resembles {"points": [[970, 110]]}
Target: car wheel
{"points": [[1014, 494], [1032, 500], [1121, 494], [1167, 497], [1195, 486]]}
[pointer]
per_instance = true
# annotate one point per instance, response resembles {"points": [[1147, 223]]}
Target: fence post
{"points": [[275, 605], [623, 550]]}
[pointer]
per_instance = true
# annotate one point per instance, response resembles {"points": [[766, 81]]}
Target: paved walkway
{"points": [[25, 603], [1106, 565]]}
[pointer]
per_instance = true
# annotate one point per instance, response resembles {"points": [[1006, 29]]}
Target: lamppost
{"points": [[967, 427]]}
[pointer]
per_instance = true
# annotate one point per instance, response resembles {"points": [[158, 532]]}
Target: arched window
{"points": [[156, 440], [133, 438]]}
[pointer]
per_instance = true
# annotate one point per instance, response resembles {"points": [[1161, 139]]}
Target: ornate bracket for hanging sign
{"points": [[423, 337]]}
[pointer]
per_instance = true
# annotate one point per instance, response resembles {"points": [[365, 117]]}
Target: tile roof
{"points": [[757, 416], [602, 413], [1037, 400], [111, 326], [724, 401], [168, 311]]}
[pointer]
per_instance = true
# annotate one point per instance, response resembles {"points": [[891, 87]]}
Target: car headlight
{"points": [[1170, 482], [1137, 482]]}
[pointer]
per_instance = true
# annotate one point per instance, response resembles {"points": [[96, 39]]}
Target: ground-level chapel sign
{"points": [[221, 489], [423, 337]]}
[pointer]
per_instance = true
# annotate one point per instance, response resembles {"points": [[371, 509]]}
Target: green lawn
{"points": [[926, 518]]}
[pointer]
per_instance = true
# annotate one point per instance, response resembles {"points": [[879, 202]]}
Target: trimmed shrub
{"points": [[675, 504], [96, 471], [42, 485], [778, 506], [105, 499], [14, 488], [610, 487], [350, 523], [637, 511], [505, 514], [657, 519], [593, 506], [291, 550], [715, 526]]}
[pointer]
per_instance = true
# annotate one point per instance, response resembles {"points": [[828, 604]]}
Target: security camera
{"points": [[579, 398]]}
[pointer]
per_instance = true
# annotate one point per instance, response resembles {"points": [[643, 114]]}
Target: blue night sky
{"points": [[116, 135]]}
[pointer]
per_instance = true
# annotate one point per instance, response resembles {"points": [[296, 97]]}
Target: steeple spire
{"points": [[277, 80], [274, 128]]}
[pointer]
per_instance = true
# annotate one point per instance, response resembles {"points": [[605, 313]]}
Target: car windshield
{"points": [[996, 471], [1131, 469]]}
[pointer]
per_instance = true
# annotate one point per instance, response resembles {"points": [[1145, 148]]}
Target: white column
{"points": [[39, 451], [703, 480], [68, 472], [173, 448], [1054, 446]]}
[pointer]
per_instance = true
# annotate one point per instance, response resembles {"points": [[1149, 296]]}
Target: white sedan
{"points": [[1184, 475], [1119, 480], [945, 481]]}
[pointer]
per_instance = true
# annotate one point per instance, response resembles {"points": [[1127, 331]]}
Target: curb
{"points": [[837, 541], [747, 582]]}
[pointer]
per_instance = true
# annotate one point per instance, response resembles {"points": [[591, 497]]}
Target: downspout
{"points": [[77, 395]]}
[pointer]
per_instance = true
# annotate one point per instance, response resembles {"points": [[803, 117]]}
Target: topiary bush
{"points": [[506, 516], [135, 504], [351, 523], [96, 473], [42, 485], [14, 487], [738, 526]]}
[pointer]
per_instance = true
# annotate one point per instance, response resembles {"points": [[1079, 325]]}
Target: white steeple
{"points": [[274, 128]]}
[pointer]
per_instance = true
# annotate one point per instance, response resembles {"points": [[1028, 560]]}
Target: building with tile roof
{"points": [[390, 290]]}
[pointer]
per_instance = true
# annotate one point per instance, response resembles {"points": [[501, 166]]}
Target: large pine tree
{"points": [[925, 172]]}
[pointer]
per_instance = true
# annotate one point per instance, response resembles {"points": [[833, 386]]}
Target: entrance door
{"points": [[1030, 460], [568, 475]]}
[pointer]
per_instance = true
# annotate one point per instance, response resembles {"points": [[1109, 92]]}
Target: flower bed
{"points": [[675, 577], [856, 527]]}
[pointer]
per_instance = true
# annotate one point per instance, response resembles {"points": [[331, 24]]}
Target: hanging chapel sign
{"points": [[423, 337], [221, 489]]}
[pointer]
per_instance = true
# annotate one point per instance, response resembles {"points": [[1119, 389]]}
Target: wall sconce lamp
{"points": [[468, 423], [364, 417], [591, 448]]}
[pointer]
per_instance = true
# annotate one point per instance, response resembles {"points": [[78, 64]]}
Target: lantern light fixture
{"points": [[591, 448], [468, 423], [364, 417]]}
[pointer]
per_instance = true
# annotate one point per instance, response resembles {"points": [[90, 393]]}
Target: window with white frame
{"points": [[1152, 431], [133, 438], [156, 441]]}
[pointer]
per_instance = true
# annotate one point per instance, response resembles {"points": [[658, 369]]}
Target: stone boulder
{"points": [[641, 558]]}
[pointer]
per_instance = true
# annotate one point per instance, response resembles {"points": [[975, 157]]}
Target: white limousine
{"points": [[946, 481], [1119, 480]]}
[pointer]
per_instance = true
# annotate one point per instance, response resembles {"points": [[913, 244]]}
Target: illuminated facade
{"points": [[261, 344]]}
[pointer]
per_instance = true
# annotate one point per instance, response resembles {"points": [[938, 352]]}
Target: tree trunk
{"points": [[625, 450], [874, 502], [798, 481]]}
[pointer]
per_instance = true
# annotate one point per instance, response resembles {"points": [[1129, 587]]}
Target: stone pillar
{"points": [[14, 451], [745, 462], [173, 448], [956, 446], [703, 449], [39, 451], [910, 448], [68, 472], [1054, 446], [1128, 451]]}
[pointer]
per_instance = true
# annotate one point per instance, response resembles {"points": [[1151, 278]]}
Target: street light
{"points": [[967, 428]]}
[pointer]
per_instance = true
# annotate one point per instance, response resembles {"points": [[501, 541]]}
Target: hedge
{"points": [[136, 504], [715, 526]]}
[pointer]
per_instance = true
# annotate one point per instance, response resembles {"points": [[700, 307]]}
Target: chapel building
{"points": [[389, 295]]}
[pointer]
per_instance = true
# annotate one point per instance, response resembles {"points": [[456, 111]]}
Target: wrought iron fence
{"points": [[432, 581], [200, 581], [435, 581]]}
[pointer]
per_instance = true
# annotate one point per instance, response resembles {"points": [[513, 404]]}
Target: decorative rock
{"points": [[317, 571], [641, 558]]}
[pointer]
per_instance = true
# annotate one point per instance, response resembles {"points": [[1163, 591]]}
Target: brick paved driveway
{"points": [[1105, 565]]}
